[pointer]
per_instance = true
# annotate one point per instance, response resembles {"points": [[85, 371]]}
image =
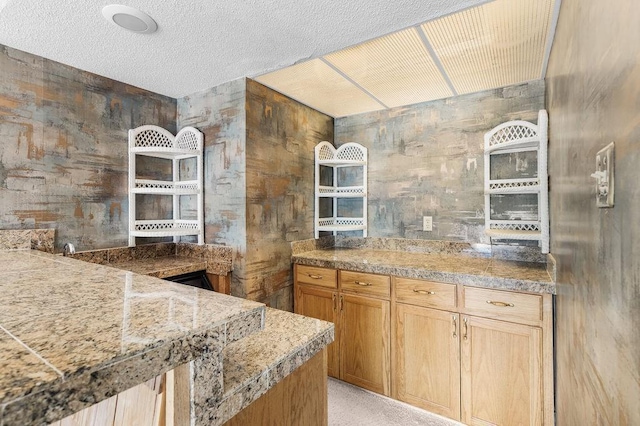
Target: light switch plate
{"points": [[605, 187], [427, 223]]}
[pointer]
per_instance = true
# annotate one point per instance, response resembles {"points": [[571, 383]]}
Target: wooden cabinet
{"points": [[501, 373], [450, 360], [478, 355], [365, 339], [322, 304], [360, 353], [427, 356]]}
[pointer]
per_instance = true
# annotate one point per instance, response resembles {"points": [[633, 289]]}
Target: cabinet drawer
{"points": [[368, 284], [323, 277], [425, 293], [504, 305]]}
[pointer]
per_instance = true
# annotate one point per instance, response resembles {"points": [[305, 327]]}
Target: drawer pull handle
{"points": [[341, 303], [415, 290], [501, 304], [363, 284], [315, 277]]}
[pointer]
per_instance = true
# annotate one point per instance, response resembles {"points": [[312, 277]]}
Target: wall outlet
{"points": [[427, 223]]}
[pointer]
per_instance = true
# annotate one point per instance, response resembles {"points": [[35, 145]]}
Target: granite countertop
{"points": [[256, 363], [450, 268], [73, 333], [164, 260], [162, 267]]}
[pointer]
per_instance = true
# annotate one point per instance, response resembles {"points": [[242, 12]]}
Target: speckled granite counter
{"points": [[74, 333], [450, 268], [164, 259], [255, 364]]}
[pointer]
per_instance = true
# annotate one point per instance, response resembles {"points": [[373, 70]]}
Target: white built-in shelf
{"points": [[514, 137], [514, 235], [342, 163], [164, 228], [348, 155], [154, 141], [342, 192], [166, 153], [148, 186]]}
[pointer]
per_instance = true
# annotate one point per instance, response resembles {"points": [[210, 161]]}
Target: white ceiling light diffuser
{"points": [[316, 84], [129, 18], [494, 45], [396, 69]]}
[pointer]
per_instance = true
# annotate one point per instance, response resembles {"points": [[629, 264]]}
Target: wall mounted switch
{"points": [[427, 223], [604, 176]]}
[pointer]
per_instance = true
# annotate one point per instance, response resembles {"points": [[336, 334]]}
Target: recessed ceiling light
{"points": [[129, 18]]}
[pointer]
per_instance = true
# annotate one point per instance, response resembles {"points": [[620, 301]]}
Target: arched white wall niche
{"points": [[349, 155], [526, 142], [154, 141]]}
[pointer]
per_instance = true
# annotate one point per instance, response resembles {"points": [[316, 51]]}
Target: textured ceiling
{"points": [[492, 45], [203, 43]]}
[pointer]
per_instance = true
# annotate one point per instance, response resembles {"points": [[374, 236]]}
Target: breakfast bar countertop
{"points": [[73, 333], [456, 268]]}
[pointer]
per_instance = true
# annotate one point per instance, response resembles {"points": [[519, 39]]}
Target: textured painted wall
{"points": [[219, 113], [427, 160], [258, 180], [593, 94], [281, 136], [63, 148]]}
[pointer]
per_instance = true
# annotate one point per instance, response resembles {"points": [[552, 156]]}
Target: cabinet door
{"points": [[365, 334], [322, 304], [501, 373], [428, 359]]}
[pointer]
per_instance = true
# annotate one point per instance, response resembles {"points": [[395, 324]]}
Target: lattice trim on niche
{"points": [[348, 152], [515, 226], [512, 133], [157, 226], [187, 139], [508, 185], [152, 138]]}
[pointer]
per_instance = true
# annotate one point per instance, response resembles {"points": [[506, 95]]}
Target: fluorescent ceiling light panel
{"points": [[397, 69], [494, 45], [316, 84]]}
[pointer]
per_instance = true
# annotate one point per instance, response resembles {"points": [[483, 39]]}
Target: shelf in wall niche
{"points": [[513, 186], [341, 192], [508, 234], [148, 186], [341, 163], [165, 228], [341, 224], [166, 153]]}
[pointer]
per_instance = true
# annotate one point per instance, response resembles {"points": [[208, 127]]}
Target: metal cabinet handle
{"points": [[335, 301], [455, 326], [362, 283], [341, 303], [466, 330], [315, 277], [501, 304], [415, 290]]}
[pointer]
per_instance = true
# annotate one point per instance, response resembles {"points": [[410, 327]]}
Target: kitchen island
{"points": [[73, 334]]}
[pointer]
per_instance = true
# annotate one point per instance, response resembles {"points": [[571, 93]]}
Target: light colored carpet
{"points": [[352, 406]]}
